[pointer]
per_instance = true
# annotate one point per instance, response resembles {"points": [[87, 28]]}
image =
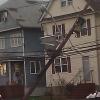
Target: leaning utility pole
{"points": [[78, 23]]}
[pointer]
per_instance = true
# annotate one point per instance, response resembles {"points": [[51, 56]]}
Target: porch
{"points": [[12, 79]]}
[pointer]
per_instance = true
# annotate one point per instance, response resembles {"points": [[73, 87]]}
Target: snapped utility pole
{"points": [[78, 23]]}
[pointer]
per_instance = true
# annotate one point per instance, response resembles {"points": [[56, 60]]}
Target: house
{"points": [[21, 51], [79, 61]]}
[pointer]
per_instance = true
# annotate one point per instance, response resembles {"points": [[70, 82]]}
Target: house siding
{"points": [[10, 51], [31, 78], [34, 50], [33, 45], [75, 7], [84, 41], [76, 61]]}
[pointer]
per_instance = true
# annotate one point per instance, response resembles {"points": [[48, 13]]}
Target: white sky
{"points": [[2, 1]]}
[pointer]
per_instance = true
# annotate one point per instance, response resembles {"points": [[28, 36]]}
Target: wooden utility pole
{"points": [[78, 23]]}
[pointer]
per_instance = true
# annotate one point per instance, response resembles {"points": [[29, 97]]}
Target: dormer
{"points": [[3, 16]]}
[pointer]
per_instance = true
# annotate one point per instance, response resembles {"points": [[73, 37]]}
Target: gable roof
{"points": [[95, 4], [27, 15]]}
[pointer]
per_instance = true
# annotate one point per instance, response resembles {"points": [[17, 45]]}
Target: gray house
{"points": [[21, 51]]}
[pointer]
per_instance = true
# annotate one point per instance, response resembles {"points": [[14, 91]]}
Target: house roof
{"points": [[25, 14], [95, 4]]}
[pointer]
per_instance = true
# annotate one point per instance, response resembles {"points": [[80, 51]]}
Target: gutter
{"points": [[10, 29]]}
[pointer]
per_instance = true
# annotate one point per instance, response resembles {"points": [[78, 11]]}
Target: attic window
{"points": [[63, 3], [66, 2], [3, 16], [70, 2]]}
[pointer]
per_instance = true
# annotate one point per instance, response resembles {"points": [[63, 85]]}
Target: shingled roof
{"points": [[95, 4], [27, 15]]}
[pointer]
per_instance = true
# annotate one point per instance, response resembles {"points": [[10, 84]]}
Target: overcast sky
{"points": [[3, 1]]}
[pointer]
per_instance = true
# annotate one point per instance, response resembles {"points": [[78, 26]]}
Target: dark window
{"points": [[89, 27], [3, 16], [63, 3], [70, 2], [35, 67], [32, 67], [59, 31], [85, 29], [61, 64], [57, 68], [66, 2]]}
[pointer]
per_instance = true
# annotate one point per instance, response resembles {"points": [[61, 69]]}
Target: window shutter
{"points": [[63, 30], [89, 27], [53, 29], [69, 64], [53, 68]]}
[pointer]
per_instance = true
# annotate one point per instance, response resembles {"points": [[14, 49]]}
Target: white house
{"points": [[79, 60]]}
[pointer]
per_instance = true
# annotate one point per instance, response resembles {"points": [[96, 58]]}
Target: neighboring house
{"points": [[80, 57], [21, 51]]}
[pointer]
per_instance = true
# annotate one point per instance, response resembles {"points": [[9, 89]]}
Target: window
{"points": [[61, 64], [66, 2], [2, 43], [3, 16], [63, 3], [85, 30], [16, 39], [3, 69], [70, 2], [35, 67], [59, 31]]}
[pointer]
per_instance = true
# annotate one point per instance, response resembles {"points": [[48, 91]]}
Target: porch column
{"points": [[9, 66]]}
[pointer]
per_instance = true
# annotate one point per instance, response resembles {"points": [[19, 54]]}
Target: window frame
{"points": [[3, 16], [63, 3], [16, 39], [2, 42], [35, 67], [69, 2], [66, 2], [86, 27], [61, 64], [56, 29]]}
